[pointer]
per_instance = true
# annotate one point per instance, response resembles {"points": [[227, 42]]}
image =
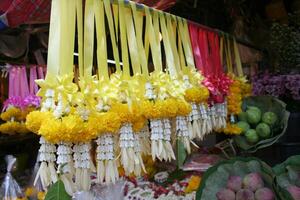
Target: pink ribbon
{"points": [[41, 73], [24, 89], [33, 88]]}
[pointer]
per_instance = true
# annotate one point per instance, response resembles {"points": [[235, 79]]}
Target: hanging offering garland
{"points": [[238, 89], [114, 108], [19, 103]]}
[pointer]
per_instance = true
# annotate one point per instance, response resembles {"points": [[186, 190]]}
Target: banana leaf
{"points": [[215, 178], [287, 173], [57, 192], [265, 103]]}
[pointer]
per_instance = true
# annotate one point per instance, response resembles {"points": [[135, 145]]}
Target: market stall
{"points": [[132, 128]]}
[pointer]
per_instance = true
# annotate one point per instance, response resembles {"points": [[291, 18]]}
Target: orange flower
{"points": [[193, 184]]}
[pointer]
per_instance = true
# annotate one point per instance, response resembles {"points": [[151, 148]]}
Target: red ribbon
{"points": [[206, 50], [195, 45]]}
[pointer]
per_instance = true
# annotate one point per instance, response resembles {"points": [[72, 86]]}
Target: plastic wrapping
{"points": [[38, 185], [200, 162], [10, 189], [83, 195], [109, 191]]}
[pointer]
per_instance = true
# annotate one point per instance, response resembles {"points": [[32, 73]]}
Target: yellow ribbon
{"points": [[237, 59], [54, 43], [80, 35], [171, 29], [124, 48], [228, 56], [183, 33], [167, 45], [132, 42], [138, 19], [101, 40], [154, 40], [67, 37], [109, 16]]}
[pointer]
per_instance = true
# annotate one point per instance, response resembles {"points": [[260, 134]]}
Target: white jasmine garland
{"points": [[126, 143], [106, 165], [183, 132]]}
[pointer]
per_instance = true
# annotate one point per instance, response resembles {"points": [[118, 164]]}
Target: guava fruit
{"points": [[242, 116], [294, 191], [244, 126], [253, 115], [256, 109], [269, 118], [234, 183], [244, 194], [263, 130], [225, 194], [251, 136], [294, 174], [264, 194], [253, 181]]}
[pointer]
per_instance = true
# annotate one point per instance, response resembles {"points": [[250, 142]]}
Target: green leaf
{"points": [[57, 192], [181, 153], [286, 174]]}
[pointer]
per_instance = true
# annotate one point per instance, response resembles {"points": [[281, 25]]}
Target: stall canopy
{"points": [[16, 12]]}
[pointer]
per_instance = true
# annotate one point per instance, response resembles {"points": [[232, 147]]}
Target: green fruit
{"points": [[242, 116], [253, 116], [254, 108], [251, 136], [269, 118], [263, 130], [244, 126]]}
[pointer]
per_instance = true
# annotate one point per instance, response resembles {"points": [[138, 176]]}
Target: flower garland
{"points": [[231, 129], [16, 110], [238, 90]]}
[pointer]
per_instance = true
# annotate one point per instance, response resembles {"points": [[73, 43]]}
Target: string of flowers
{"points": [[14, 114]]}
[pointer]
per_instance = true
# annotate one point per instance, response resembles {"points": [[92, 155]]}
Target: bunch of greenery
{"points": [[285, 44]]}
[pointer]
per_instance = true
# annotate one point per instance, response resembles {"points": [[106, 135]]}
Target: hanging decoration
{"points": [[21, 100], [129, 112]]}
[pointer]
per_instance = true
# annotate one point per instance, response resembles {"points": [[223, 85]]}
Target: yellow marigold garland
{"points": [[35, 119], [106, 122], [234, 99], [183, 108], [11, 112], [196, 94], [13, 127], [231, 129]]}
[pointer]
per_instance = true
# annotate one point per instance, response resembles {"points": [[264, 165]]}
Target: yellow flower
{"points": [[193, 184], [72, 125], [51, 129], [30, 191], [196, 94], [124, 112], [41, 195], [11, 112], [168, 108], [183, 108], [109, 122], [231, 129], [35, 119], [9, 128], [234, 99], [21, 198], [150, 110], [22, 129]]}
